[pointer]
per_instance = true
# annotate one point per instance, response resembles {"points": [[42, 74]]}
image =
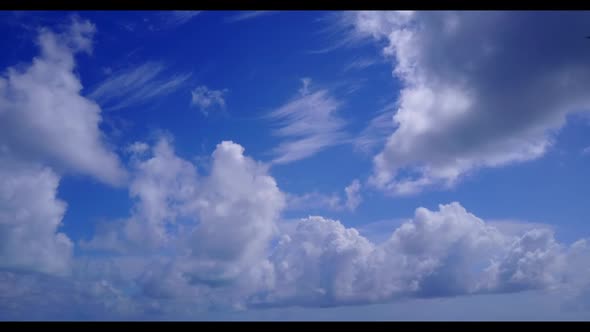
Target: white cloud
{"points": [[318, 264], [161, 185], [309, 123], [353, 196], [136, 86], [437, 253], [30, 215], [219, 225], [473, 95], [43, 117], [237, 210], [206, 99]]}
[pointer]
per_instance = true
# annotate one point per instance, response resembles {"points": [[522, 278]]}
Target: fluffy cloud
{"points": [[440, 253], [161, 185], [238, 207], [206, 99], [46, 126], [479, 89], [320, 263], [43, 117], [30, 215], [309, 123], [218, 226]]}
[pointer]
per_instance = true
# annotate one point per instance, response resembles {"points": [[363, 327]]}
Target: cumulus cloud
{"points": [[479, 89], [43, 117], [309, 124], [319, 262], [161, 184], [440, 253], [219, 225], [30, 216], [206, 99], [137, 86]]}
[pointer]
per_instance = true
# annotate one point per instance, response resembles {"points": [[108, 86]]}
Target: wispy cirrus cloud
{"points": [[248, 15], [360, 64], [308, 124], [377, 131], [137, 85], [175, 18]]}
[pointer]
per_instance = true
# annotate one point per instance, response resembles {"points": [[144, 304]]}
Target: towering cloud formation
{"points": [[219, 226]]}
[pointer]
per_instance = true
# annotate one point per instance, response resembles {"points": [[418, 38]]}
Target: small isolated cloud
{"points": [[138, 148], [207, 99], [137, 86], [353, 196], [312, 201], [586, 151], [308, 124], [331, 202]]}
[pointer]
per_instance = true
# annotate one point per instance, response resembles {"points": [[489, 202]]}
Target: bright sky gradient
{"points": [[233, 165]]}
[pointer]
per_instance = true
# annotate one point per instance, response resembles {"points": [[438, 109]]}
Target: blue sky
{"points": [[294, 165]]}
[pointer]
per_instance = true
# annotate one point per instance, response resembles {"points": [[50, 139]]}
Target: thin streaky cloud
{"points": [[136, 86], [248, 15], [308, 124], [377, 131], [178, 17], [360, 64]]}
